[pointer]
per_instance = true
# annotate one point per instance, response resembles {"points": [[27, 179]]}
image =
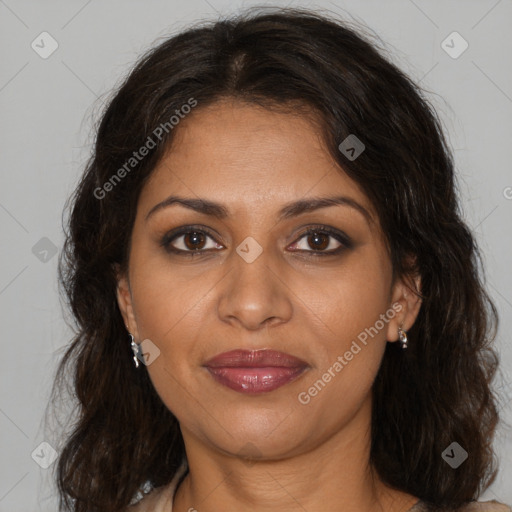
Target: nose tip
{"points": [[254, 295]]}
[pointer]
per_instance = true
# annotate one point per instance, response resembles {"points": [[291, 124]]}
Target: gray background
{"points": [[47, 107]]}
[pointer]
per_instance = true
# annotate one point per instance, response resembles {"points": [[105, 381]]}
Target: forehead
{"points": [[248, 157], [243, 136]]}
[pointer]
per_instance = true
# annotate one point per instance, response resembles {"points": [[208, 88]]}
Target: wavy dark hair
{"points": [[293, 60]]}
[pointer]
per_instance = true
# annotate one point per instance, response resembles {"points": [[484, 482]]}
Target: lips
{"points": [[255, 371], [254, 359]]}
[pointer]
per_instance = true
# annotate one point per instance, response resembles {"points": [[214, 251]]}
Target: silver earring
{"points": [[403, 337], [135, 349]]}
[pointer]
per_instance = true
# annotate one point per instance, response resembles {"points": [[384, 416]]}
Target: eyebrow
{"points": [[290, 210]]}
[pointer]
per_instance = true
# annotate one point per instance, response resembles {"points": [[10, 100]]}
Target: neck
{"points": [[335, 475]]}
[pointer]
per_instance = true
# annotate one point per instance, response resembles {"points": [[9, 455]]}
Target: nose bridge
{"points": [[254, 293]]}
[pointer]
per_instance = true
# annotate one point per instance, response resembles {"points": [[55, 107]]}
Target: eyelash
{"points": [[344, 240]]}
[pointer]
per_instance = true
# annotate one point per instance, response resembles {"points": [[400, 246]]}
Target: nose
{"points": [[255, 295]]}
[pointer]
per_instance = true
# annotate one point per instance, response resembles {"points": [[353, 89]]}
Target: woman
{"points": [[269, 222]]}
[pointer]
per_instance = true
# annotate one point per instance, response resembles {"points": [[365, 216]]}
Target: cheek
{"points": [[167, 299], [352, 302], [350, 352], [169, 315], [355, 320], [334, 396], [171, 308]]}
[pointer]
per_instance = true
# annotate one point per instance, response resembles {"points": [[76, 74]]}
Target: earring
{"points": [[135, 349], [403, 337]]}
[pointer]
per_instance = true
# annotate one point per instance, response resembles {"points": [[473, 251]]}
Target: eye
{"points": [[194, 241], [323, 241], [189, 240]]}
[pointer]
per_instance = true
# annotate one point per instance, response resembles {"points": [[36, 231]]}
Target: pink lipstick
{"points": [[255, 371]]}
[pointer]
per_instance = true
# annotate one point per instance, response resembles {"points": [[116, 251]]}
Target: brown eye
{"points": [[322, 241], [194, 240], [318, 241], [189, 242]]}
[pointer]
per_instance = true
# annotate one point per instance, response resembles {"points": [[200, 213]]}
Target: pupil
{"points": [[316, 240], [195, 238]]}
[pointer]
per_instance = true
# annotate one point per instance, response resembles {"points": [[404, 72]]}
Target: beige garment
{"points": [[481, 506], [161, 499], [488, 506]]}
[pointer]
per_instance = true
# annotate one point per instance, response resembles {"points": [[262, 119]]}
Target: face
{"points": [[258, 271]]}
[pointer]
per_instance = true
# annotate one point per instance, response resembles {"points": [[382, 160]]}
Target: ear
{"points": [[125, 302], [406, 303]]}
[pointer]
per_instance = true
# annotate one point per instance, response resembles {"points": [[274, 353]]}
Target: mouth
{"points": [[255, 371]]}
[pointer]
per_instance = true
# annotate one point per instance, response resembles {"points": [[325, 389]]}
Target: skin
{"points": [[310, 457]]}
